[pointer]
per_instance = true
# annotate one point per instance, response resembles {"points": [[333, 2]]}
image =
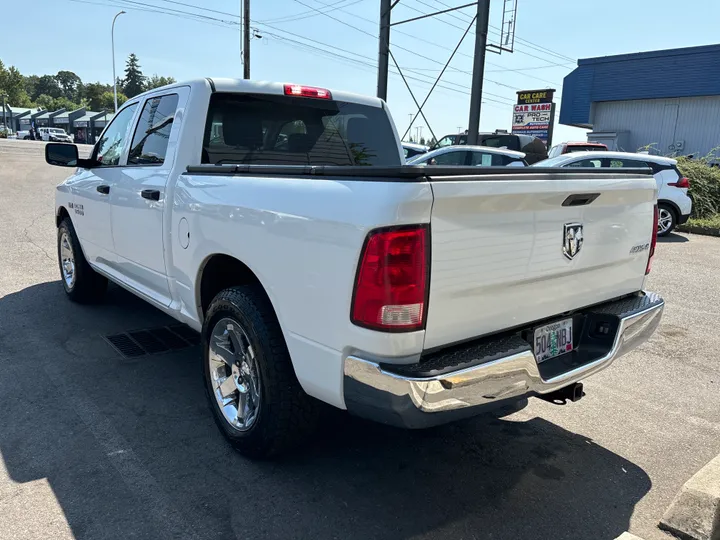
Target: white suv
{"points": [[54, 134], [674, 203]]}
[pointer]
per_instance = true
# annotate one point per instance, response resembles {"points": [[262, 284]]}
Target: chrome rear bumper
{"points": [[488, 378]]}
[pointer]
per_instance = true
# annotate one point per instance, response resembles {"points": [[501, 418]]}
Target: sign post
{"points": [[534, 114]]}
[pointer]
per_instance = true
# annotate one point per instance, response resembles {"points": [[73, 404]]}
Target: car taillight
{"points": [[682, 183], [392, 280], [306, 91], [653, 242]]}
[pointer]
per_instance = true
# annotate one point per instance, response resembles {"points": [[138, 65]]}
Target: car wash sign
{"points": [[533, 114]]}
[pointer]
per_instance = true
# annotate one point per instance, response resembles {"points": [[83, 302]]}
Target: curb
{"points": [[695, 512], [696, 229]]}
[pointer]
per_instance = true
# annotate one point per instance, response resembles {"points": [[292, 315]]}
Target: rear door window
{"points": [[451, 158], [485, 159], [627, 163], [286, 130], [150, 143], [587, 163]]}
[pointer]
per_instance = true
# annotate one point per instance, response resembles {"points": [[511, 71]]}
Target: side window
{"points": [[150, 142], [450, 158], [511, 142], [555, 151], [587, 163], [627, 163], [109, 147], [484, 159], [448, 140]]}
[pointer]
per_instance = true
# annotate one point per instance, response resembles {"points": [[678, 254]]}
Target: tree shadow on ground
{"points": [[130, 450]]}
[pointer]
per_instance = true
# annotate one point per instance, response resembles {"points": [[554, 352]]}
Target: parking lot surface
{"points": [[96, 446]]}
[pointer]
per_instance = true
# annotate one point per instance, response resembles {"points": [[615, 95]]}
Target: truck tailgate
{"points": [[499, 254]]}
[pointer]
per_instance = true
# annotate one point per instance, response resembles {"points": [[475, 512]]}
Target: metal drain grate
{"points": [[153, 340], [125, 346]]}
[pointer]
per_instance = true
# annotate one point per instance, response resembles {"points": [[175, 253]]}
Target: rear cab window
{"points": [[287, 130], [501, 141]]}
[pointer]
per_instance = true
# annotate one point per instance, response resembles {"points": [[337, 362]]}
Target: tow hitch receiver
{"points": [[573, 392]]}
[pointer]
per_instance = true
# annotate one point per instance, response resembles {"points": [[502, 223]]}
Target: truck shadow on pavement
{"points": [[130, 450]]}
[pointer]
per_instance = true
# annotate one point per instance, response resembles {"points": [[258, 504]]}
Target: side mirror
{"points": [[61, 154], [432, 161]]}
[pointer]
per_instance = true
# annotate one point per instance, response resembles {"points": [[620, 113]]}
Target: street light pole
{"points": [[112, 39]]}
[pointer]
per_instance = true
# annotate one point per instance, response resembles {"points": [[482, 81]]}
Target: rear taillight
{"points": [[682, 183], [392, 280], [306, 91], [653, 242]]}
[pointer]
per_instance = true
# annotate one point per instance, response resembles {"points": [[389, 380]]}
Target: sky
{"points": [[338, 48]]}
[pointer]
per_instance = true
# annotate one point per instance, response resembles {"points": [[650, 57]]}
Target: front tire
{"points": [[81, 283], [256, 399], [667, 219]]}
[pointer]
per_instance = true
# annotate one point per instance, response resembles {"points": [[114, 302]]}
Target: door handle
{"points": [[103, 189], [580, 199], [151, 194]]}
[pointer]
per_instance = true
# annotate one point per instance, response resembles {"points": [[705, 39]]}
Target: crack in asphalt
{"points": [[29, 240]]}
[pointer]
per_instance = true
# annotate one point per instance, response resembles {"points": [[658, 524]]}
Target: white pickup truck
{"points": [[280, 222]]}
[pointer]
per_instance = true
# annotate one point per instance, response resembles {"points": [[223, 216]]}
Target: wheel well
{"points": [[221, 272], [62, 213], [674, 207]]}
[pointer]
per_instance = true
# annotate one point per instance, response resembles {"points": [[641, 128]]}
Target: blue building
{"points": [[668, 99]]}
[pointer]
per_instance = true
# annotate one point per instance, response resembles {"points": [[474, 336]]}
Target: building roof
{"points": [[89, 115], [671, 73], [17, 110]]}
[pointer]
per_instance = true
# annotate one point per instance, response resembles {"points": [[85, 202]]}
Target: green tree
{"points": [[134, 81], [107, 101], [156, 81], [70, 84], [12, 84], [93, 93], [422, 140], [47, 85], [45, 102]]}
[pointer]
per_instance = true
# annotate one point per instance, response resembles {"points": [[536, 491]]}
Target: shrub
{"points": [[704, 185]]}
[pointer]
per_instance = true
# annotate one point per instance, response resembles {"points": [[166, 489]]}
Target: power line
{"points": [[310, 13], [408, 50], [524, 41], [494, 30]]}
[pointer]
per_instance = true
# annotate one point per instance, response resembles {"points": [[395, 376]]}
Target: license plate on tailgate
{"points": [[553, 340]]}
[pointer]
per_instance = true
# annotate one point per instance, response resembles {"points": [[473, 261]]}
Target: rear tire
{"points": [[256, 399], [667, 219], [81, 283]]}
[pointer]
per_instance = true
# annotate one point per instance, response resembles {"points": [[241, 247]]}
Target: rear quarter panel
{"points": [[302, 238]]}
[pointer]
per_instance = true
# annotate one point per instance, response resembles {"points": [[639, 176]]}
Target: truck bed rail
{"points": [[417, 173]]}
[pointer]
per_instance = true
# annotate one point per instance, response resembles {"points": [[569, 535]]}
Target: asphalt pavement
{"points": [[95, 446]]}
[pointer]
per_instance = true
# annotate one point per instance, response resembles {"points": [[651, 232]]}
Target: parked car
{"points": [[570, 147], [674, 204], [411, 149], [533, 148], [54, 134], [470, 156], [318, 267], [24, 134]]}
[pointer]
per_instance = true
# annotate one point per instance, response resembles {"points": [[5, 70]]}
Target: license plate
{"points": [[553, 340]]}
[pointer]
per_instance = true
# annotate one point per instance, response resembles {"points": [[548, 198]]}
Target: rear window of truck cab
{"points": [[286, 130]]}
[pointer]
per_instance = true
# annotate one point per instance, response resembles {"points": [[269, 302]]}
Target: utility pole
{"points": [[4, 115], [246, 39], [481, 32], [384, 49]]}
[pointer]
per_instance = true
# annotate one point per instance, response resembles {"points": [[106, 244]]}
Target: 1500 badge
{"points": [[639, 248], [78, 208]]}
